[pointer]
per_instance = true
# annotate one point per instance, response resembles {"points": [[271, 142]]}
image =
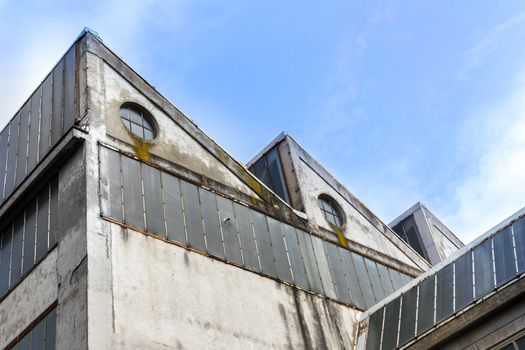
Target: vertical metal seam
{"points": [[254, 236], [382, 329], [417, 311], [398, 333], [22, 256], [514, 249], [454, 287], [493, 260], [39, 124], [6, 159], [164, 219]]}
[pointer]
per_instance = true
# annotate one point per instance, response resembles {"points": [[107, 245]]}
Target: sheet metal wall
{"points": [[38, 125], [151, 200], [28, 238], [41, 336], [473, 275]]}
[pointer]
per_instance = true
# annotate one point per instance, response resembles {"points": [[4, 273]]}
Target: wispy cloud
{"points": [[489, 44], [27, 57], [494, 189]]}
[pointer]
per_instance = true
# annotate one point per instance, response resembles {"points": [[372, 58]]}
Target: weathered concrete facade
{"points": [[110, 240]]}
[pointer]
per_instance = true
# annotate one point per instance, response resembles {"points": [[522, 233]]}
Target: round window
{"points": [[331, 210], [137, 120]]}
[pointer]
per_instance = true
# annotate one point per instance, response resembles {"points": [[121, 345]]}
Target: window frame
{"points": [[147, 129], [334, 207]]}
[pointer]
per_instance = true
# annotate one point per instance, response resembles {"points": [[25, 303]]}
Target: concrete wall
{"points": [[356, 227], [143, 292], [167, 297], [29, 299]]}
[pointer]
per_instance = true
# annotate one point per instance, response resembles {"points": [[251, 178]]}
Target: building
{"points": [[124, 226]]}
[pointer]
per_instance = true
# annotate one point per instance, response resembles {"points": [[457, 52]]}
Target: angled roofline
{"points": [[470, 246], [419, 205], [92, 43], [345, 193]]}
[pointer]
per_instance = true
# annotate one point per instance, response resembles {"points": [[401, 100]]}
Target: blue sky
{"points": [[402, 101]]}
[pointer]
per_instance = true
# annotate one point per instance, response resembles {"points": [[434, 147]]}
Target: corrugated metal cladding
{"points": [[28, 238], [41, 336], [41, 122], [487, 266], [144, 197]]}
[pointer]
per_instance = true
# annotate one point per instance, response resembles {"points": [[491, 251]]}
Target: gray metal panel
{"points": [[132, 193], [364, 280], [23, 138], [445, 291], [377, 288], [115, 187], [232, 248], [375, 327], [296, 260], [29, 236], [324, 268], [38, 336], [16, 254], [425, 305], [69, 88], [11, 157], [391, 325], [279, 251], [245, 229], [351, 277], [192, 215], [46, 116], [385, 279], [504, 256], [264, 247], [342, 290], [57, 129], [483, 268], [4, 149], [5, 258], [34, 127], [312, 273], [463, 281], [395, 276], [210, 217], [518, 229], [42, 222], [153, 200], [51, 321], [408, 316], [53, 212], [173, 208], [24, 343]]}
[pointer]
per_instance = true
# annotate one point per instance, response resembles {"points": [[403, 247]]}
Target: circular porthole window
{"points": [[137, 120], [331, 210]]}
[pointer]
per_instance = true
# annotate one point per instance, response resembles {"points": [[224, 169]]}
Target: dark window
{"points": [[331, 210], [138, 121], [408, 231], [269, 170], [41, 336]]}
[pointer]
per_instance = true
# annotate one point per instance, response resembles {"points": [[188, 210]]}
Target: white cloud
{"points": [[495, 188]]}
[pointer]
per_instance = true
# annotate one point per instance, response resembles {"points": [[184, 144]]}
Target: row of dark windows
{"points": [[148, 199], [470, 277], [26, 240], [38, 126], [42, 336], [408, 231], [269, 170]]}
